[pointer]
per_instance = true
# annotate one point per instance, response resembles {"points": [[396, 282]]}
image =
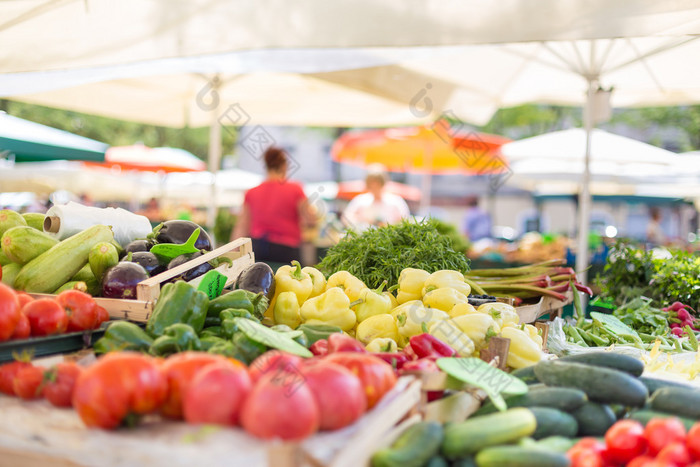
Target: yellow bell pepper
{"points": [[394, 301], [478, 326], [411, 316], [383, 325], [446, 278], [444, 298], [411, 284], [523, 351], [290, 279], [351, 285], [331, 307], [318, 280], [502, 313], [286, 310], [373, 302], [382, 344], [450, 334], [461, 309], [534, 334]]}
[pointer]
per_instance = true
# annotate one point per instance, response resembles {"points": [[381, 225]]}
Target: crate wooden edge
{"points": [[139, 310]]}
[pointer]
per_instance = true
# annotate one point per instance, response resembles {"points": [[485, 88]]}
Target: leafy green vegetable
{"points": [[380, 253]]}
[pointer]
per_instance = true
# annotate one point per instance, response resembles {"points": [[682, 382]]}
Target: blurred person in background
{"points": [[274, 213], [477, 222], [655, 234], [376, 207]]}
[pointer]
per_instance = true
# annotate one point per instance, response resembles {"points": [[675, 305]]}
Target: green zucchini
{"points": [[468, 437], [616, 361], [35, 220], [552, 422], [9, 219], [57, 265], [9, 273], [22, 243], [603, 385], [643, 416], [85, 274], [676, 401], [413, 448], [516, 456], [653, 384], [566, 399], [102, 256], [526, 374], [594, 419], [71, 285], [4, 259]]}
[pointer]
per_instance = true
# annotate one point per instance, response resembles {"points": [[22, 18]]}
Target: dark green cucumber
{"points": [[552, 422], [516, 456], [616, 361], [468, 437], [676, 401], [437, 461], [413, 448], [566, 399], [643, 417], [526, 374], [603, 385], [464, 462], [594, 419], [653, 384]]}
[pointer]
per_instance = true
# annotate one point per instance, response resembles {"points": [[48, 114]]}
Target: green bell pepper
{"points": [[210, 321], [123, 335], [247, 348], [210, 341], [179, 302], [240, 299], [316, 332], [177, 337], [297, 335], [211, 331]]}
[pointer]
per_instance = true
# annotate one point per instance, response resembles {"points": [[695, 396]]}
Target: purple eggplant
{"points": [[120, 280], [257, 277], [149, 261], [192, 272], [179, 231]]}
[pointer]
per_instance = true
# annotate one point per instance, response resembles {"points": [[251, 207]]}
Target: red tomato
{"points": [[338, 342], [80, 308], [9, 312], [375, 374], [216, 393], [28, 382], [8, 371], [273, 361], [693, 441], [625, 441], [24, 298], [23, 329], [280, 408], [60, 382], [102, 315], [675, 453], [118, 384], [641, 461], [46, 317], [179, 370], [660, 432], [587, 453], [339, 394]]}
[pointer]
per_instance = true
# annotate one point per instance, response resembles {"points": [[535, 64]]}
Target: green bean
{"points": [[599, 341], [691, 337]]}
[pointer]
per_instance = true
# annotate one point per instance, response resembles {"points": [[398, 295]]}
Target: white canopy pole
{"points": [[584, 202], [214, 151]]}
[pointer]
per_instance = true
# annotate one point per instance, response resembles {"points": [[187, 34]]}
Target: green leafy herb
{"points": [[380, 253]]}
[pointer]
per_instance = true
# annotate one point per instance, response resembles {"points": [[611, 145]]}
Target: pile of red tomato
{"points": [[664, 442], [22, 316], [278, 396]]}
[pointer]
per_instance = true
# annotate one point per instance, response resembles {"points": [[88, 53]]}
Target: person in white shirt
{"points": [[376, 207]]}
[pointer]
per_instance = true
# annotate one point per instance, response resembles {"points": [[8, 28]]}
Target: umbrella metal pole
{"points": [[214, 158], [584, 205]]}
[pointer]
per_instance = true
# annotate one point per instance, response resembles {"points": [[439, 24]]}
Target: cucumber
{"points": [[603, 385], [565, 399], [56, 266], [653, 384], [516, 456], [552, 422], [9, 273], [643, 417], [22, 244], [437, 461], [616, 361], [526, 374], [9, 219], [102, 256], [468, 437], [35, 220], [464, 462], [676, 401], [594, 419], [413, 448]]}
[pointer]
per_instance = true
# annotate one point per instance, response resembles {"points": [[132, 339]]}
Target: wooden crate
{"points": [[34, 434], [239, 251], [547, 305]]}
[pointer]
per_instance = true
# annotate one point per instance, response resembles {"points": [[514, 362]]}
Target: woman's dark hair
{"points": [[275, 158]]}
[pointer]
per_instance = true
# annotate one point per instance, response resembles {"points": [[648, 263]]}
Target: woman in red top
{"points": [[274, 213]]}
